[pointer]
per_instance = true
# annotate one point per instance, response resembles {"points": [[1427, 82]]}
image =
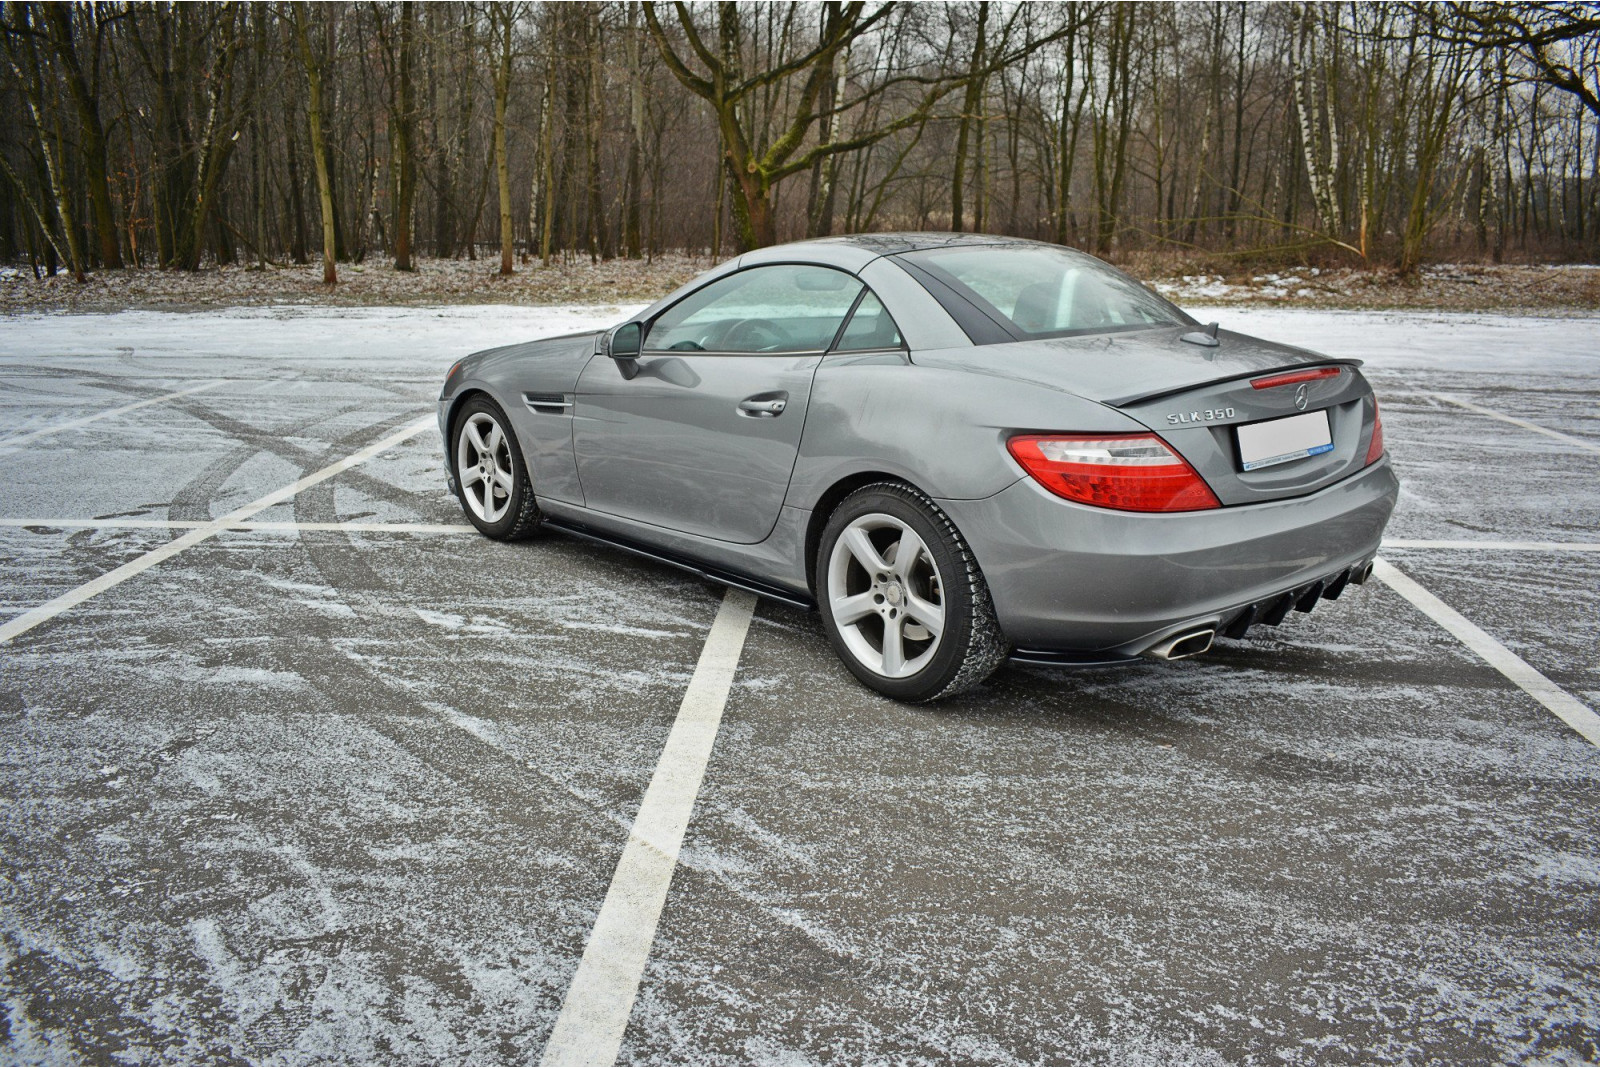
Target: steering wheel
{"points": [[754, 335]]}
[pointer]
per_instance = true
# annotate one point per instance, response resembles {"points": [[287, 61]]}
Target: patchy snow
{"points": [[1554, 288], [344, 797], [376, 337], [386, 337], [434, 282], [1436, 341]]}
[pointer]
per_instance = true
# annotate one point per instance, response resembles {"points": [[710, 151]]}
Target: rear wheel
{"points": [[902, 598], [491, 475]]}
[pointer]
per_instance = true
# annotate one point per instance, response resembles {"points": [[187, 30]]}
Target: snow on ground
{"points": [[1388, 340], [1465, 342], [362, 334], [1525, 288], [1553, 288], [376, 282], [356, 797]]}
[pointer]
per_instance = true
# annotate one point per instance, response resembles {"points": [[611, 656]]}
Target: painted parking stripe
{"points": [[1568, 709], [362, 526], [595, 1011], [1588, 446], [290, 527], [73, 424], [50, 609], [1507, 546]]}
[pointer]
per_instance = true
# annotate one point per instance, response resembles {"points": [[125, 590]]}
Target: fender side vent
{"points": [[548, 403]]}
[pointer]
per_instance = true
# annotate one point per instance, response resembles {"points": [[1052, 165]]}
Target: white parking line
{"points": [[359, 526], [50, 609], [1588, 446], [1510, 546], [73, 424], [595, 1012], [1569, 709], [365, 527]]}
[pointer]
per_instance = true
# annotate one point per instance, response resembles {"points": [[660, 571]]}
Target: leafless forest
{"points": [[1379, 134]]}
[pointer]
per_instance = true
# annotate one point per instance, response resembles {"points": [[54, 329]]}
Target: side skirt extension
{"points": [[705, 571]]}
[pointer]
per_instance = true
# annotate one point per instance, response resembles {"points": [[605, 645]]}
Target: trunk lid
{"points": [[1196, 397], [1124, 369], [1203, 425]]}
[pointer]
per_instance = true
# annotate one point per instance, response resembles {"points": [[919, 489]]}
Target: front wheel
{"points": [[491, 475], [902, 598]]}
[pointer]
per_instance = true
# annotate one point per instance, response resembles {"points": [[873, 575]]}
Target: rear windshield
{"points": [[1040, 291]]}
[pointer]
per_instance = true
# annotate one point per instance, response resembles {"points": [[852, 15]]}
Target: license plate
{"points": [[1277, 441]]}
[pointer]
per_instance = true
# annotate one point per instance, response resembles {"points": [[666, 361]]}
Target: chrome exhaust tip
{"points": [[1190, 643]]}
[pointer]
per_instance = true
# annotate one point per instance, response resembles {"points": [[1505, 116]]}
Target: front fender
{"points": [[514, 376]]}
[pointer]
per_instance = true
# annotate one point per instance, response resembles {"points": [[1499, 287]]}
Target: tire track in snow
{"points": [[275, 442], [194, 501]]}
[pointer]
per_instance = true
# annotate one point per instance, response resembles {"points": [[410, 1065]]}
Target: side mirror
{"points": [[623, 345]]}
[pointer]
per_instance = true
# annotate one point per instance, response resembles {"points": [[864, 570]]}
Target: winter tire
{"points": [[491, 475], [902, 597]]}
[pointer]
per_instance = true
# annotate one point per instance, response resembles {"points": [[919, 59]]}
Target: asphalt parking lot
{"points": [[344, 783]]}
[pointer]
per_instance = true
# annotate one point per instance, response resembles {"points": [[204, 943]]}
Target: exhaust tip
{"points": [[1192, 643]]}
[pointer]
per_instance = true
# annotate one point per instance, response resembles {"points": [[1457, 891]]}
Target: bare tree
{"points": [[319, 149], [502, 23], [1383, 132]]}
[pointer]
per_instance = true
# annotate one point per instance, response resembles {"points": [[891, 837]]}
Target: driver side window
{"points": [[776, 309]]}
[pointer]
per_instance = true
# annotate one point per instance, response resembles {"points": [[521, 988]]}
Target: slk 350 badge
{"points": [[1207, 416]]}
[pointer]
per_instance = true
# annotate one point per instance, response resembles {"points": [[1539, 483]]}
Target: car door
{"points": [[703, 439]]}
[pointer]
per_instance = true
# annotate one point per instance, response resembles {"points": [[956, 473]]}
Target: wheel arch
{"points": [[457, 402], [829, 500], [462, 397]]}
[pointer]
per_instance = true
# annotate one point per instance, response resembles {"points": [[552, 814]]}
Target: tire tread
{"points": [[528, 518], [987, 647]]}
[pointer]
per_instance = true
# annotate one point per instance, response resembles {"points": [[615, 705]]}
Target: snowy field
{"points": [[346, 784]]}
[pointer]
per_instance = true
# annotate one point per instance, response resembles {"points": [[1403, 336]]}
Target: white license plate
{"points": [[1277, 441]]}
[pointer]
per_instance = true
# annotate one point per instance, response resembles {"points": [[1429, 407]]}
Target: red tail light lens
{"points": [[1130, 472], [1375, 450]]}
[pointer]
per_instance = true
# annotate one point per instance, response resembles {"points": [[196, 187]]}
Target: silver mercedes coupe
{"points": [[957, 448]]}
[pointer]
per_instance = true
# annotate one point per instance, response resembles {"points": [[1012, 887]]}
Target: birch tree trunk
{"points": [[60, 18], [1321, 164], [25, 64]]}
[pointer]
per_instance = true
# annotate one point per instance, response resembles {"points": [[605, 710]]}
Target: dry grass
{"points": [[1505, 288], [374, 284], [1515, 288]]}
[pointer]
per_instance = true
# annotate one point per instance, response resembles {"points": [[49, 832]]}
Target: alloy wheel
{"points": [[886, 596], [483, 465]]}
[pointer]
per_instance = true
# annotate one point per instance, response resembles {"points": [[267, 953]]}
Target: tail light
{"points": [[1375, 450], [1292, 377], [1131, 472]]}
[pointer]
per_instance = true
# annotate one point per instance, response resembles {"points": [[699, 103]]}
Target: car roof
{"points": [[854, 251], [890, 243]]}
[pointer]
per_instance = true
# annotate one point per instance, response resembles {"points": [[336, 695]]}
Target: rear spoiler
{"points": [[1157, 394]]}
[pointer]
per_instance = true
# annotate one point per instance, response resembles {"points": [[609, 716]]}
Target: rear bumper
{"points": [[1066, 577]]}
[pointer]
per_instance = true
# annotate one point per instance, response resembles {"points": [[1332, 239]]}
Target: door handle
{"points": [[764, 406]]}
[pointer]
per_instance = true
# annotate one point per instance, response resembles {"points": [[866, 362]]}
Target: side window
{"points": [[870, 328], [782, 308]]}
